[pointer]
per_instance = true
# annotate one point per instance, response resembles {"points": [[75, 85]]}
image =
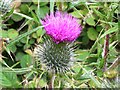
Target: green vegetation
{"points": [[97, 53]]}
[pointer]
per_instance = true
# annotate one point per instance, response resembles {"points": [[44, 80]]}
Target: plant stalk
{"points": [[106, 50], [1, 41], [51, 83]]}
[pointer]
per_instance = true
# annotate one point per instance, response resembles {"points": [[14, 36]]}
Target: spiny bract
{"points": [[56, 57], [4, 6]]}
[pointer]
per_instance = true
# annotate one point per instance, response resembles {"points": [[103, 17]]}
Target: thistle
{"points": [[4, 6], [62, 27], [56, 53]]}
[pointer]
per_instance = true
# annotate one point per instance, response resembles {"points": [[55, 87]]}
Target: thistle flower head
{"points": [[62, 27], [56, 53], [54, 57], [4, 6]]}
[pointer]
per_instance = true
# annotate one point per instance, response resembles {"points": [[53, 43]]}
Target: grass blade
{"points": [[23, 35], [52, 6]]}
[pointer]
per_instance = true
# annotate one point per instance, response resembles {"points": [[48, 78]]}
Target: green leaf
{"points": [[82, 54], [26, 61], [12, 48], [34, 16], [98, 28], [99, 72], [75, 14], [19, 44], [85, 40], [90, 21], [26, 46], [34, 35], [92, 34], [84, 11], [24, 8], [79, 73], [19, 55], [33, 7], [3, 34], [23, 40], [100, 62], [12, 33], [40, 32], [32, 41], [16, 17], [42, 11], [76, 68], [43, 3], [9, 79], [35, 1]]}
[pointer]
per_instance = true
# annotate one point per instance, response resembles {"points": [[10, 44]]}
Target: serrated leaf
{"points": [[9, 79]]}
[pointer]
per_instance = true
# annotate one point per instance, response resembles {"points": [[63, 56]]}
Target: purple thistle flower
{"points": [[62, 27]]}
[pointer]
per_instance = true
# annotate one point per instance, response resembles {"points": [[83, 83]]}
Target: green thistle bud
{"points": [[4, 6], [55, 57]]}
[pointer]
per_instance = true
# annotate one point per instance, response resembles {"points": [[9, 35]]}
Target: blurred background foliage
{"points": [[21, 26]]}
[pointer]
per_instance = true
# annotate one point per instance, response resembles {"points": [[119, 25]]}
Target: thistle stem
{"points": [[1, 41], [106, 50], [51, 84]]}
